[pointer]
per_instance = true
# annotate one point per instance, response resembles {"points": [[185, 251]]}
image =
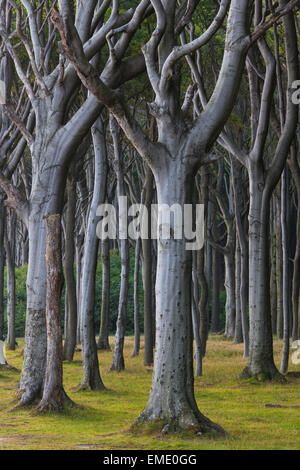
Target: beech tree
{"points": [[174, 159]]}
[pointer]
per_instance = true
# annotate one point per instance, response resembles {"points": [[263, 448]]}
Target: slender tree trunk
{"points": [[118, 362], [147, 268], [91, 373], [215, 312], [2, 263], [229, 259], [54, 395], [261, 361], [295, 170], [79, 246], [279, 274], [196, 318], [103, 341], [9, 239], [238, 335], [136, 347], [71, 324], [285, 259]]}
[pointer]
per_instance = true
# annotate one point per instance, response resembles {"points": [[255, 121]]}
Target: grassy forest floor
{"points": [[103, 419]]}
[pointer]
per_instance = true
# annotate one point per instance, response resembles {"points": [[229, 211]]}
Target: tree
{"points": [[174, 160]]}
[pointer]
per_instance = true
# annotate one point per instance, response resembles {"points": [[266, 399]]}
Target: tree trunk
{"points": [[261, 362], [229, 259], [118, 363], [196, 318], [136, 347], [215, 312], [71, 324], [103, 341], [285, 260], [238, 335], [54, 395], [172, 404], [147, 276], [91, 373], [279, 276], [2, 263], [9, 240]]}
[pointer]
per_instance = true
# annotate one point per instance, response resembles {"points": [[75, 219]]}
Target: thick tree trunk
{"points": [[54, 395], [71, 324], [103, 341], [46, 198], [172, 404]]}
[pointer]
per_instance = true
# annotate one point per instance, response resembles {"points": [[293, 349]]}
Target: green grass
{"points": [[103, 419]]}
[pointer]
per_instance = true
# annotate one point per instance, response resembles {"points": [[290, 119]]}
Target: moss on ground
{"points": [[103, 420]]}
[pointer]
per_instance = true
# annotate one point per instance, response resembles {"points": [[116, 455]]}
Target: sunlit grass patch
{"points": [[103, 420]]}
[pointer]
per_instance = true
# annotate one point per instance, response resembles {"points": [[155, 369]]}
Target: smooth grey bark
{"points": [[147, 275], [91, 373], [216, 281], [171, 399], [196, 317], [103, 341], [261, 361], [295, 170], [9, 243], [285, 283], [2, 263], [54, 395], [174, 160], [242, 240], [78, 255], [238, 335], [118, 362], [71, 323], [137, 336], [279, 270]]}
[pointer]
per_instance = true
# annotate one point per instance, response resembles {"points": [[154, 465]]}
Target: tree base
{"points": [[103, 346], [118, 365], [270, 374], [100, 387], [55, 404], [187, 422]]}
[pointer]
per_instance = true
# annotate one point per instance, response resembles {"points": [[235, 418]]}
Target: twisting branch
{"points": [[180, 51], [262, 28], [150, 48], [73, 49]]}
